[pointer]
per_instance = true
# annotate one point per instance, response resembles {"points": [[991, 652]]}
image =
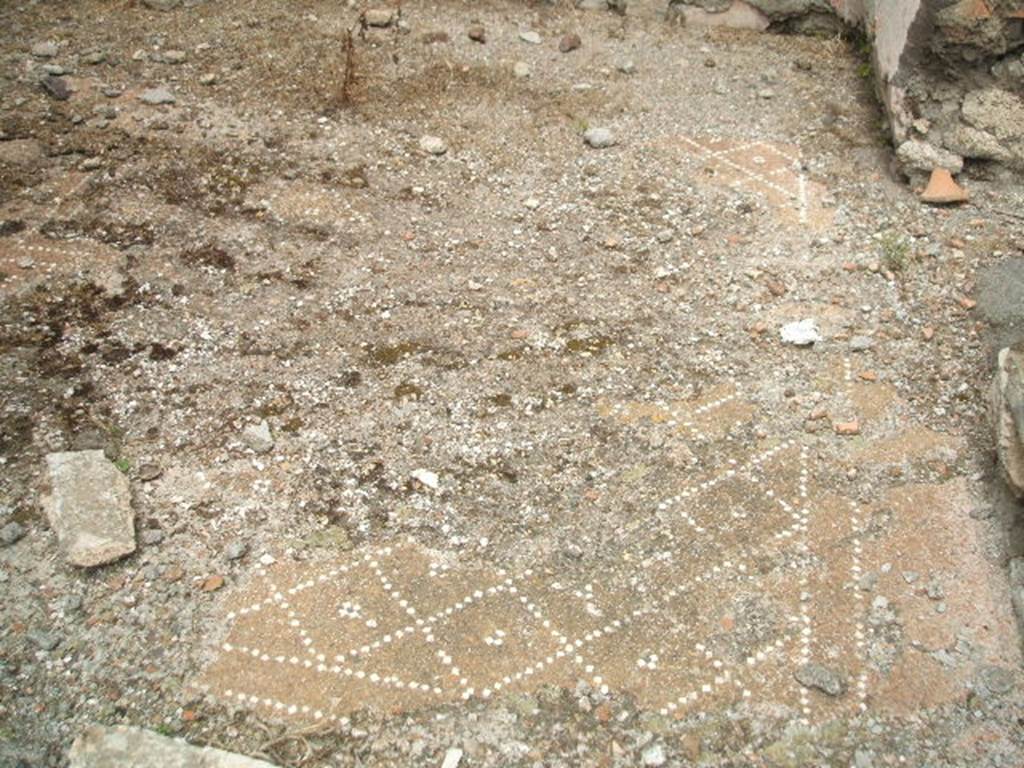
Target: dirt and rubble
{"points": [[445, 364]]}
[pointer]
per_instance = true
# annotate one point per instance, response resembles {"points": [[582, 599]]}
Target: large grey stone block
{"points": [[89, 507], [1008, 415], [125, 747]]}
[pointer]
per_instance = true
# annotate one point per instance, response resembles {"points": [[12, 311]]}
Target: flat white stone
{"points": [[802, 333], [89, 507], [599, 138], [428, 478], [258, 437], [122, 746]]}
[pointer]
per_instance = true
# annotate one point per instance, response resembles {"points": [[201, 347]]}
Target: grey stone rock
{"points": [[1017, 589], [521, 69], [861, 343], [56, 88], [592, 5], [972, 142], [46, 641], [173, 57], [711, 6], [531, 37], [924, 156], [735, 14], [998, 119], [1010, 68], [599, 138], [156, 96], [821, 678], [235, 550], [149, 472], [11, 534], [379, 17], [71, 603], [89, 507], [152, 536], [433, 145], [258, 437], [123, 746], [996, 111], [1007, 410], [45, 50], [787, 9], [94, 58]]}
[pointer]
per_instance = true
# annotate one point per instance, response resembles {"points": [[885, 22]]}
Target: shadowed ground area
{"points": [[499, 447]]}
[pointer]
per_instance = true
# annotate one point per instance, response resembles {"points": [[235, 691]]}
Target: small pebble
{"points": [[433, 145], [11, 533], [156, 96], [45, 50], [599, 138], [152, 536], [149, 472], [47, 641], [860, 343], [70, 603], [235, 550], [569, 43]]}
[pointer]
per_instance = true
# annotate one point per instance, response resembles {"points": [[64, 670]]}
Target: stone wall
{"points": [[949, 72]]}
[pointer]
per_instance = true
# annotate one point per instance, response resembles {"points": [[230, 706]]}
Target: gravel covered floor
{"points": [[447, 430]]}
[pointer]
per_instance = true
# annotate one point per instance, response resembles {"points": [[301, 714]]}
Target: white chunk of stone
{"points": [[599, 138], [123, 746], [428, 478], [802, 333], [379, 17], [89, 507], [258, 437], [433, 145]]}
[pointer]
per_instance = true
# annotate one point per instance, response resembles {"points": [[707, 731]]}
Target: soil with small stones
{"points": [[275, 245]]}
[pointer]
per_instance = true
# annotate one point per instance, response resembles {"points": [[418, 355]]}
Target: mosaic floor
{"points": [[723, 594]]}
